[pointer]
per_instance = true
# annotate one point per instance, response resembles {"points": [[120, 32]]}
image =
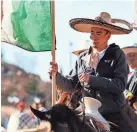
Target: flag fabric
{"points": [[27, 24]]}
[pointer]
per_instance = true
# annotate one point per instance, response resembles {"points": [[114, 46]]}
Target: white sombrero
{"points": [[130, 49], [115, 26], [83, 47]]}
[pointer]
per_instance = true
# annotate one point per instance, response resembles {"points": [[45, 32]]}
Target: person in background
{"points": [[26, 123], [3, 129], [42, 106], [13, 118], [20, 106], [131, 89], [84, 46]]}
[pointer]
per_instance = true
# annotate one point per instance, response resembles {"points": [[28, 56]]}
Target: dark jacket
{"points": [[109, 83]]}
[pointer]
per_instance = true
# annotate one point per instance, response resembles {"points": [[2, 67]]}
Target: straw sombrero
{"points": [[77, 52], [83, 47], [115, 26], [130, 49]]}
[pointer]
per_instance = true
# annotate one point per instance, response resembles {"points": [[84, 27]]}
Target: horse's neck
{"points": [[72, 124], [69, 99]]}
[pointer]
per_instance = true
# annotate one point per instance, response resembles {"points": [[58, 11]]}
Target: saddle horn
{"points": [[91, 109]]}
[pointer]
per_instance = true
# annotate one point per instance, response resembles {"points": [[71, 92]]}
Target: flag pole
{"points": [[53, 52]]}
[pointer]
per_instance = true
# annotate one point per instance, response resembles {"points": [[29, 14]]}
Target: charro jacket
{"points": [[109, 82]]}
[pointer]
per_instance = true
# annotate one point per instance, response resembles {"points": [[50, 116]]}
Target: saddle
{"points": [[91, 110]]}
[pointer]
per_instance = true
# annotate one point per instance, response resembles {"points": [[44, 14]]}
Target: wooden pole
{"points": [[53, 52]]}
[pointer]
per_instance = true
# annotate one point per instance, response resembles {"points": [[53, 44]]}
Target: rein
{"points": [[82, 101], [73, 93]]}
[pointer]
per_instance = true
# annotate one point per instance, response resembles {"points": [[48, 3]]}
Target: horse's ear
{"points": [[39, 114]]}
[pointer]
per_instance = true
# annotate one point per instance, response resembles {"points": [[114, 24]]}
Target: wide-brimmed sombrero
{"points": [[115, 26], [130, 49], [77, 52], [83, 47]]}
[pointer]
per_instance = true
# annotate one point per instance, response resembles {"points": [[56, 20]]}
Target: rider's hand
{"points": [[135, 105], [129, 96], [83, 77], [53, 68]]}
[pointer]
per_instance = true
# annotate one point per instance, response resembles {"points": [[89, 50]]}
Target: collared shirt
{"points": [[95, 57], [100, 55]]}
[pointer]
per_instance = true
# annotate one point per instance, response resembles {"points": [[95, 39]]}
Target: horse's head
{"points": [[59, 114], [46, 116]]}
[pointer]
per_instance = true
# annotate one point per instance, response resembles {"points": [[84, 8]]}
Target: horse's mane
{"points": [[69, 99]]}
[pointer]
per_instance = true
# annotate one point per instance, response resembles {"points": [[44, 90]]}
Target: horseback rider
{"points": [[131, 89], [102, 70]]}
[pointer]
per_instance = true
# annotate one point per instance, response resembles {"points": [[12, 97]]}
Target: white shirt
{"points": [[101, 53]]}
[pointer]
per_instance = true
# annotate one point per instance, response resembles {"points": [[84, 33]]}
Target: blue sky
{"points": [[38, 63]]}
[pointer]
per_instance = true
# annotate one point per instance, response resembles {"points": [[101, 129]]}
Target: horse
{"points": [[72, 100], [63, 119], [64, 115]]}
